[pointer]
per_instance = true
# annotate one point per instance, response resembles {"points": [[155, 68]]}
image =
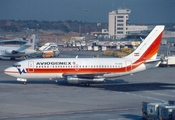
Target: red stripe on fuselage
{"points": [[74, 70]]}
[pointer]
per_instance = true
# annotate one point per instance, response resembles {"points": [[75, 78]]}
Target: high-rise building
{"points": [[117, 24]]}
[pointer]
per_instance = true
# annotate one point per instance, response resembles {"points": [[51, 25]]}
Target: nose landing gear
{"points": [[22, 80]]}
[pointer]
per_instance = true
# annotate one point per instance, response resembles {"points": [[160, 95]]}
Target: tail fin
{"points": [[31, 42], [149, 47], [29, 45]]}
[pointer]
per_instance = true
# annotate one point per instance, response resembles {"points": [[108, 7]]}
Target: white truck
{"points": [[96, 48], [104, 48], [169, 61]]}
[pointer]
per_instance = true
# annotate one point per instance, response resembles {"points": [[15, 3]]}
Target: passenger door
{"points": [[31, 66], [128, 65]]}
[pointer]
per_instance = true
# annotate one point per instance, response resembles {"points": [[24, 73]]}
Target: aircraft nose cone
{"points": [[10, 71]]}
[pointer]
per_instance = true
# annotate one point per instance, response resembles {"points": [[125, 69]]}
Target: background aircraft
{"points": [[89, 70], [16, 52]]}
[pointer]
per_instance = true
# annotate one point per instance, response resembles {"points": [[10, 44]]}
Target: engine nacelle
{"points": [[14, 52], [11, 52], [76, 80]]}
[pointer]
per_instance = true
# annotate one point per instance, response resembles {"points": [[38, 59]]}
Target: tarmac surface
{"points": [[116, 99]]}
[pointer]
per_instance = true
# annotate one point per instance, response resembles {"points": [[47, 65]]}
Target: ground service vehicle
{"points": [[158, 111]]}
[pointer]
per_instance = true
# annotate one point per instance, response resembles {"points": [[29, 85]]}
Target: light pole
{"points": [[37, 28], [85, 10]]}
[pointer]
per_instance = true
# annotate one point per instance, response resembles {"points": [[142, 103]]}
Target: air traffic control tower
{"points": [[117, 24]]}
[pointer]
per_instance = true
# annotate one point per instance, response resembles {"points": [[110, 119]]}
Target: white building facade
{"points": [[117, 24]]}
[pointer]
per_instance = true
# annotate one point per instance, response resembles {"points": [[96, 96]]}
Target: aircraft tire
{"points": [[12, 58], [25, 83]]}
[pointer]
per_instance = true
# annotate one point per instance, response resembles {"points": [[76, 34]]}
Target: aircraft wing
{"points": [[23, 47]]}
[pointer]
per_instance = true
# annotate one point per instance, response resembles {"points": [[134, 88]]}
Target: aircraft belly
{"points": [[41, 76]]}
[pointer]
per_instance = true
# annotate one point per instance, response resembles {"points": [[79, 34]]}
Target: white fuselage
{"points": [[6, 51], [53, 68]]}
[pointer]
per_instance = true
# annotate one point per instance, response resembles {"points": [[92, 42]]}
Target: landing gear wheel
{"points": [[25, 83], [87, 84], [25, 57], [12, 58]]}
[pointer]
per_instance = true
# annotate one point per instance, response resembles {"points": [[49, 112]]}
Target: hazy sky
{"points": [[145, 11]]}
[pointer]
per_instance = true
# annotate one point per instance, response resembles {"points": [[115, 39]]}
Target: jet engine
{"points": [[78, 80], [14, 52], [11, 51]]}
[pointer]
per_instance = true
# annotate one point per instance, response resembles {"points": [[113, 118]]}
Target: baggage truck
{"points": [[153, 110], [173, 114], [165, 112], [144, 111], [158, 111]]}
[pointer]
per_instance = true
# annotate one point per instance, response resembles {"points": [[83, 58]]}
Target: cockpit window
{"points": [[16, 65]]}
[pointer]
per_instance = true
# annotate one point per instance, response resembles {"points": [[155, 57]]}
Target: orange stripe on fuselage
{"points": [[11, 72]]}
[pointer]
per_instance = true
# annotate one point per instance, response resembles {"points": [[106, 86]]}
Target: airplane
{"points": [[90, 70], [16, 52]]}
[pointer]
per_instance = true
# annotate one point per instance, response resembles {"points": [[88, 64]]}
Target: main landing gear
{"points": [[12, 58], [25, 83], [87, 84]]}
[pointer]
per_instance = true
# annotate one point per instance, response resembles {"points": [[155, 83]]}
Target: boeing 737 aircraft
{"points": [[90, 70], [16, 52]]}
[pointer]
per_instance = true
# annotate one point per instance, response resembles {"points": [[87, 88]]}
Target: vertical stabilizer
{"points": [[29, 45], [31, 42], [148, 49]]}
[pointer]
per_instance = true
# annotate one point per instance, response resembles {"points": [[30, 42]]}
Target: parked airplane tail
{"points": [[29, 45], [31, 42], [148, 49]]}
